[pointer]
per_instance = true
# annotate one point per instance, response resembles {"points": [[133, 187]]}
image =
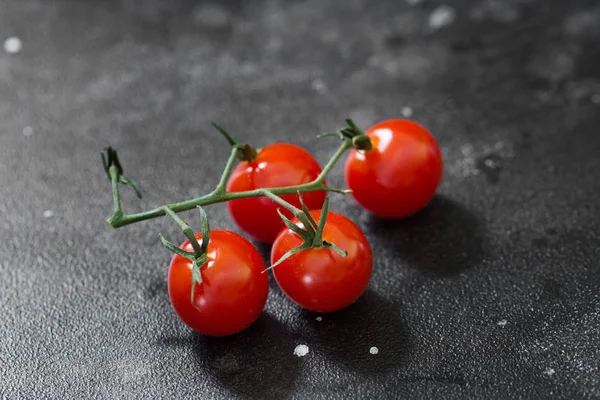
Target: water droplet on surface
{"points": [[407, 112], [373, 350], [27, 131], [48, 213]]}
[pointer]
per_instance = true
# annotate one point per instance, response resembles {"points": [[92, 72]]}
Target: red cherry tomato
{"points": [[400, 174], [233, 291], [320, 279], [276, 165]]}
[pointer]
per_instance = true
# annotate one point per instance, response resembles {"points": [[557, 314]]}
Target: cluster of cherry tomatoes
{"points": [[396, 177]]}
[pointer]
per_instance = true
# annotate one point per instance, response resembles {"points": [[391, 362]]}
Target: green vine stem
{"points": [[219, 195], [351, 137]]}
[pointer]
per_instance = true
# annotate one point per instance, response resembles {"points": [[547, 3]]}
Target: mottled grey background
{"points": [[491, 292]]}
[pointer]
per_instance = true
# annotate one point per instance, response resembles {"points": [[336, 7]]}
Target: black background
{"points": [[490, 292]]}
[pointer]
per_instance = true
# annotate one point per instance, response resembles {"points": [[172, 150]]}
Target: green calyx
{"points": [[312, 234], [199, 256], [352, 133]]}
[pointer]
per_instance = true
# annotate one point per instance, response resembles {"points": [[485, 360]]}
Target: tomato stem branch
{"points": [[227, 171], [114, 178], [219, 195]]}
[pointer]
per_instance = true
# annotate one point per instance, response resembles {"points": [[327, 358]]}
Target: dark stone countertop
{"points": [[491, 292]]}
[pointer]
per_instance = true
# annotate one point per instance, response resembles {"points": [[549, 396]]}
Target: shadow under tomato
{"points": [[443, 239], [256, 363], [347, 336]]}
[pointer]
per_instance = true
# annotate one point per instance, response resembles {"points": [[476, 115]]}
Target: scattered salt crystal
{"points": [[48, 213], [502, 322], [373, 350], [441, 17], [301, 350], [319, 319], [489, 163], [27, 131], [13, 45], [549, 372], [318, 85], [407, 112]]}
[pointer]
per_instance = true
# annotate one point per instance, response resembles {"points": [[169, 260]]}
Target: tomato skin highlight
{"points": [[400, 174], [233, 291], [276, 165], [320, 279]]}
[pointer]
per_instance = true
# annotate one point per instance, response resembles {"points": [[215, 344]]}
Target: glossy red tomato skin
{"points": [[320, 279], [400, 174], [276, 165], [233, 291]]}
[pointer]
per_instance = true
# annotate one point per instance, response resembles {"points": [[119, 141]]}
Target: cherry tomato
{"points": [[276, 165], [233, 291], [400, 174], [320, 279]]}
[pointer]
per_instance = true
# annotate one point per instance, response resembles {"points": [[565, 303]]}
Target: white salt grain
{"points": [[319, 319], [301, 350], [407, 112], [502, 322], [373, 350], [549, 372], [441, 17], [27, 131], [48, 213], [318, 85], [13, 45]]}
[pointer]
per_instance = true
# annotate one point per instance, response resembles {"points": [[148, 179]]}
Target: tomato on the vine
{"points": [[276, 165], [400, 174], [319, 279], [233, 291]]}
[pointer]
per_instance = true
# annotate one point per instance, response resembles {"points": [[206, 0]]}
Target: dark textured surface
{"points": [[491, 292]]}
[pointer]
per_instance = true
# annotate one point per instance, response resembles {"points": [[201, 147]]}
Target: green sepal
{"points": [[302, 247], [129, 182], [318, 241], [196, 277], [304, 234], [187, 231], [205, 229], [333, 246], [307, 212], [177, 250]]}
